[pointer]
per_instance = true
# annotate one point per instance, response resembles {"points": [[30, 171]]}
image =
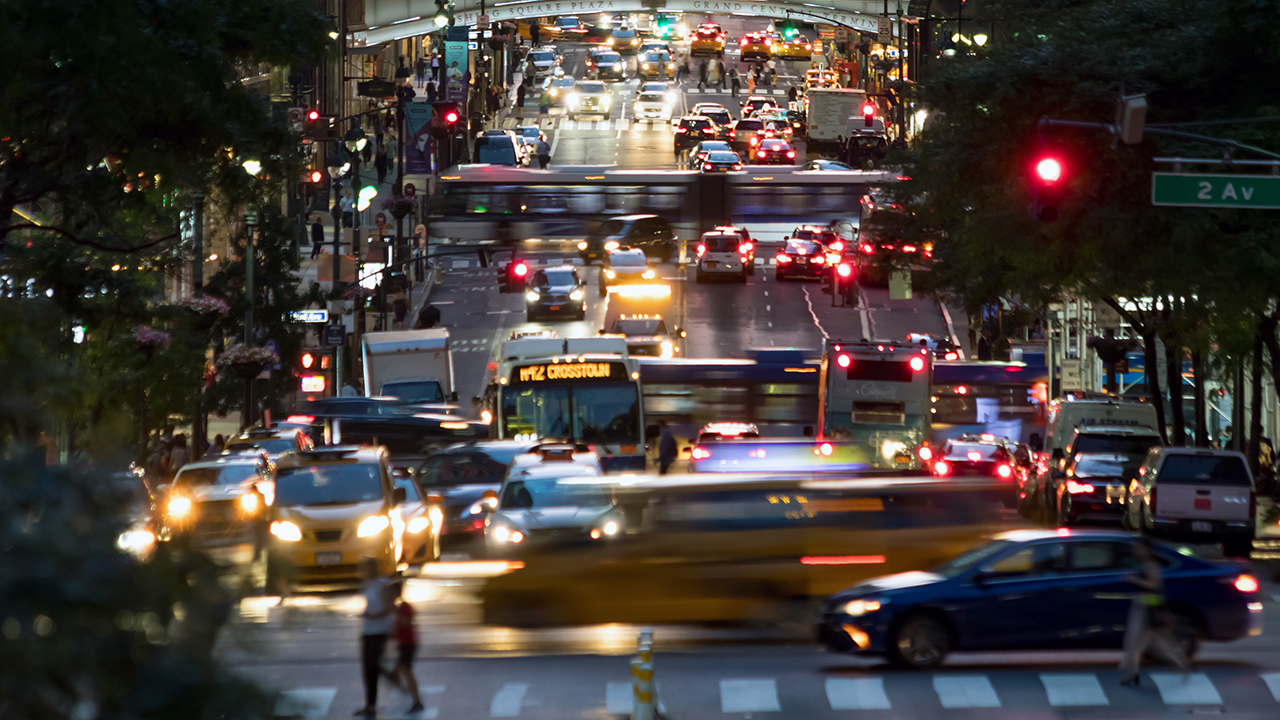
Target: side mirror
{"points": [[490, 495], [398, 496]]}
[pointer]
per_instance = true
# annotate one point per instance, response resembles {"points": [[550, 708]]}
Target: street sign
{"points": [[482, 22], [842, 34], [884, 31], [1072, 375], [334, 336], [376, 88], [1250, 192], [309, 316]]}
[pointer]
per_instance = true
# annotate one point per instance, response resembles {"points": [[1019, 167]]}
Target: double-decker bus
{"points": [[1005, 399], [584, 390], [876, 395]]}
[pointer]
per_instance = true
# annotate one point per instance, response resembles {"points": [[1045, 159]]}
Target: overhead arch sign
{"points": [[394, 19]]}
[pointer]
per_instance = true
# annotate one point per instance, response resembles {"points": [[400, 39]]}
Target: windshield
{"points": [[748, 125], [696, 123], [529, 132], [552, 492], [273, 446], [344, 484], [985, 451], [1088, 466], [556, 278], [609, 58], [222, 475], [627, 260], [608, 229], [722, 243], [414, 391], [1204, 470], [462, 468], [1117, 444], [651, 97], [592, 87], [562, 82], [542, 56], [955, 566], [607, 413], [723, 157], [656, 57], [801, 247], [643, 326], [410, 489]]}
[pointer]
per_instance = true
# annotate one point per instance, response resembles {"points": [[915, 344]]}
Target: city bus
{"points": [[1005, 399], [488, 202], [583, 390], [875, 395]]}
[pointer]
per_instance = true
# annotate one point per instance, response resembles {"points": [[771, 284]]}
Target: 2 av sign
{"points": [[1251, 192]]}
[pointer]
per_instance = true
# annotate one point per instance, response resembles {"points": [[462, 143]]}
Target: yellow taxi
{"points": [[706, 40], [797, 47], [333, 506], [755, 46], [421, 520]]}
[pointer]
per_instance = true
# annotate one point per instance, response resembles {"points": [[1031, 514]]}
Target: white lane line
{"points": [[749, 695], [461, 264], [555, 143], [864, 309], [857, 694], [305, 702], [617, 698], [507, 701], [1186, 688], [965, 691], [814, 315], [1272, 680], [441, 302], [432, 704], [1076, 689]]}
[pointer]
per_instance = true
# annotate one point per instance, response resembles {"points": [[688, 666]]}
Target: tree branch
{"points": [[5, 230]]}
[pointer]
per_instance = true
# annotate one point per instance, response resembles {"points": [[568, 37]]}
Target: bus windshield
{"points": [[605, 413]]}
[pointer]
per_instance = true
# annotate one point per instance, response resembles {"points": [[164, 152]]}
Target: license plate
{"points": [[1114, 492], [554, 307], [710, 264], [1200, 526], [329, 558]]}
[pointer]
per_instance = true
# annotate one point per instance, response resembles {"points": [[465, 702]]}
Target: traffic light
{"points": [[515, 277], [312, 115], [308, 360], [314, 370], [447, 121], [312, 181], [1046, 182], [868, 113]]}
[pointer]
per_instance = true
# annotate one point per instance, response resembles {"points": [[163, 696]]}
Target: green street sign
{"points": [[1251, 192]]}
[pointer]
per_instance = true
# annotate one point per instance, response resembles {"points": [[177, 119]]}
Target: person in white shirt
{"points": [[377, 622]]}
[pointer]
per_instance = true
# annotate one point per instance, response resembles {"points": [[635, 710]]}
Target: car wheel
{"points": [[920, 641], [1186, 634]]}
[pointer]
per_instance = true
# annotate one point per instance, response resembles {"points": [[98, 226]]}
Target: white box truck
{"points": [[829, 113], [413, 365]]}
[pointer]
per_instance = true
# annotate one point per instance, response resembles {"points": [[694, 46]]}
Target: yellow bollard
{"points": [[642, 706]]}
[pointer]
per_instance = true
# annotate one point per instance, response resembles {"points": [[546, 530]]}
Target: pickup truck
{"points": [[1194, 495]]}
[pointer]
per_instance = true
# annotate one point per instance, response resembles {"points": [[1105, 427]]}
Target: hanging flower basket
{"points": [[400, 205], [497, 42], [247, 360], [208, 310], [148, 340], [357, 292]]}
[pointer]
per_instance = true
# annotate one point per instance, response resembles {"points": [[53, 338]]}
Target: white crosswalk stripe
{"points": [[1074, 689], [965, 691], [759, 695], [1186, 688], [857, 694], [306, 703], [620, 695], [1272, 680], [508, 701]]}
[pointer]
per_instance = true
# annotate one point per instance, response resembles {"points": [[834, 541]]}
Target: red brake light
{"points": [[844, 361], [908, 248], [1004, 471], [760, 154], [782, 258], [961, 390], [825, 449], [952, 356], [520, 269], [680, 129], [1247, 584], [700, 453], [754, 140], [837, 246], [916, 363], [866, 248], [1076, 488], [708, 130], [941, 468], [845, 270], [925, 453], [973, 455], [702, 249], [743, 41], [791, 153], [301, 419], [745, 247]]}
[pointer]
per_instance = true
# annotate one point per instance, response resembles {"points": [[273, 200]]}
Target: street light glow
{"points": [[1049, 170], [253, 167]]}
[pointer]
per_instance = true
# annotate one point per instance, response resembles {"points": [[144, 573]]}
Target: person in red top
{"points": [[407, 640]]}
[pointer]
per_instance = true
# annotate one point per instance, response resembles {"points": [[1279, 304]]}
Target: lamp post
{"points": [[249, 417], [338, 168]]}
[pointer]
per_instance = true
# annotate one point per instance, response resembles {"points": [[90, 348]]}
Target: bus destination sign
{"points": [[571, 371]]}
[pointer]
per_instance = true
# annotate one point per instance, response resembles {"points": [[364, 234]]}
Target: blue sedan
{"points": [[1035, 589]]}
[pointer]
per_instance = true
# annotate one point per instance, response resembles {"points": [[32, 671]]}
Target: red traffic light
{"points": [[313, 115], [308, 360], [520, 269], [451, 116], [868, 109], [1049, 169], [315, 176]]}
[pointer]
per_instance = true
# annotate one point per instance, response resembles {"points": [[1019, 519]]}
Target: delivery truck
{"points": [[828, 116], [412, 365]]}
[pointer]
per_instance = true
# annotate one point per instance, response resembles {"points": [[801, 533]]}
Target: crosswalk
{"points": [[949, 691], [534, 261], [564, 123]]}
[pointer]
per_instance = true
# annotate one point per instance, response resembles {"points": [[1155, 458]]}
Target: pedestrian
{"points": [[544, 152], [1150, 621], [435, 68], [544, 106], [667, 450], [520, 101], [178, 456], [399, 308], [984, 346], [367, 152], [348, 207], [702, 74], [495, 101], [432, 94], [377, 623], [720, 73], [792, 94], [428, 317], [317, 239], [380, 164], [535, 34], [406, 646], [420, 72], [219, 444], [735, 79]]}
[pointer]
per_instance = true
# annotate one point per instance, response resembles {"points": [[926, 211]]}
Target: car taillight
{"points": [[700, 453], [680, 129], [754, 141], [1076, 488], [844, 360], [908, 248], [708, 131], [733, 133], [1004, 471], [782, 259], [925, 453], [737, 167], [702, 249], [1246, 584], [941, 468], [917, 364], [845, 270], [837, 246], [301, 419], [818, 259], [974, 456], [745, 247], [791, 153], [866, 248], [825, 449], [760, 154], [743, 41]]}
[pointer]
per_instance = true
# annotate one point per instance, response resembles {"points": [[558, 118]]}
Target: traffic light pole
{"points": [[1116, 130]]}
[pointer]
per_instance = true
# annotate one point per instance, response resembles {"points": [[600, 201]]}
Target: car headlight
{"points": [[649, 274], [582, 245], [249, 503], [504, 534], [611, 527], [858, 608], [372, 525], [554, 92], [577, 295], [573, 99], [286, 531], [418, 524], [610, 274], [611, 245], [136, 542], [483, 504], [668, 350], [180, 506], [532, 296], [436, 515], [644, 66]]}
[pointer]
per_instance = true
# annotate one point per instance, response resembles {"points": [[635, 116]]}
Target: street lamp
{"points": [[338, 167], [980, 39], [355, 140], [253, 167]]}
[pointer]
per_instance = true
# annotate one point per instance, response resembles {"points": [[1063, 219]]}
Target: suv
{"points": [[693, 129], [1196, 495], [647, 335], [748, 246], [745, 134], [624, 266], [499, 147], [719, 254], [219, 502], [460, 475], [333, 506], [556, 291], [649, 233]]}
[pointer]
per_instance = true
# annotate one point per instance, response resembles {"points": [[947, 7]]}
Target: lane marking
{"points": [[965, 691], [1073, 690], [617, 698], [432, 710], [814, 315], [507, 701], [305, 702], [857, 694], [1272, 680], [868, 330], [749, 695], [1186, 689]]}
